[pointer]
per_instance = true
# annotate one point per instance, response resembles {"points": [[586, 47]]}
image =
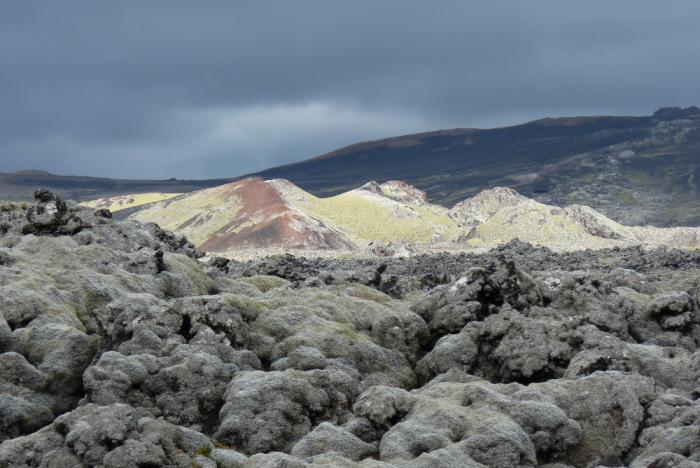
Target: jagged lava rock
{"points": [[118, 348]]}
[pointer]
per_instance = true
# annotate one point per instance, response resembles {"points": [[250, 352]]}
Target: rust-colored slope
{"points": [[265, 220]]}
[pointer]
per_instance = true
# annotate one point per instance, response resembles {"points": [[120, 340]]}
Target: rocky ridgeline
{"points": [[119, 348]]}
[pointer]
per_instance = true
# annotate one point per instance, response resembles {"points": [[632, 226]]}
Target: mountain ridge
{"points": [[635, 170]]}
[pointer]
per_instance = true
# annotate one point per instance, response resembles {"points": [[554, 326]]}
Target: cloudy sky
{"points": [[201, 89]]}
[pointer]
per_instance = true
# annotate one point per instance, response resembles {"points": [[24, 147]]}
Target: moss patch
{"points": [[368, 219], [265, 283]]}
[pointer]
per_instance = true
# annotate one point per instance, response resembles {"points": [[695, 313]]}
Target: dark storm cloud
{"points": [[219, 88]]}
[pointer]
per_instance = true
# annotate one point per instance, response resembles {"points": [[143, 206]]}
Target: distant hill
{"points": [[20, 185], [255, 217], [636, 170]]}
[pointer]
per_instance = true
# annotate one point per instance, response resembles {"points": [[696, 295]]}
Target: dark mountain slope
{"points": [[635, 169], [450, 165]]}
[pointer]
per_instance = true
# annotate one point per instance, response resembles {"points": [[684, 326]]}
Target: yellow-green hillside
{"points": [[535, 223], [370, 218], [122, 202], [572, 228], [368, 215], [197, 215]]}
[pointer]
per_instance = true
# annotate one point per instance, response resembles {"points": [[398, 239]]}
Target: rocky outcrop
{"points": [[50, 215], [593, 222], [111, 436], [119, 348], [479, 208], [403, 192]]}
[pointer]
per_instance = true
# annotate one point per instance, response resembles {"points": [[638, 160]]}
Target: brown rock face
{"points": [[591, 221], [266, 220], [401, 191]]}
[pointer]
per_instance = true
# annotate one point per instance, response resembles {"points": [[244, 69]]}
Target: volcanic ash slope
{"points": [[258, 216]]}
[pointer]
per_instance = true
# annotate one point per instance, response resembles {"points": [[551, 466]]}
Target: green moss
{"points": [[168, 286], [6, 206], [347, 331], [367, 293], [203, 451], [371, 220], [265, 283], [410, 381], [189, 270], [627, 198]]}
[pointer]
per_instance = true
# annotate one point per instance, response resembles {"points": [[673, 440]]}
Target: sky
{"points": [[209, 89]]}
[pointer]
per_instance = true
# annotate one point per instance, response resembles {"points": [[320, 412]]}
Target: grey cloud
{"points": [[161, 89]]}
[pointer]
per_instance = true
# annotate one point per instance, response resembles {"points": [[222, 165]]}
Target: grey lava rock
{"points": [[327, 438], [109, 436], [306, 358], [119, 348], [269, 411]]}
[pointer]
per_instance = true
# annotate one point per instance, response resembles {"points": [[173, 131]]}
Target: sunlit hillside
{"points": [[255, 217], [122, 202]]}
